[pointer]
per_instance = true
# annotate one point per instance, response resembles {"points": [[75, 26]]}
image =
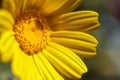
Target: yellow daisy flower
{"points": [[44, 40]]}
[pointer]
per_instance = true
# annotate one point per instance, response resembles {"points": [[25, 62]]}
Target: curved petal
{"points": [[19, 64], [10, 6], [65, 61], [84, 54], [81, 43], [34, 70], [74, 35], [5, 36], [7, 49], [4, 14], [17, 7], [5, 25], [6, 20], [85, 21], [6, 46], [55, 8], [83, 46], [29, 4], [45, 68], [23, 66]]}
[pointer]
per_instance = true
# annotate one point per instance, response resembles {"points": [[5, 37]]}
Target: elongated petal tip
{"points": [[97, 15], [65, 61]]}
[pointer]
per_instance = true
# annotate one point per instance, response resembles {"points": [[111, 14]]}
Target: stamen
{"points": [[31, 32]]}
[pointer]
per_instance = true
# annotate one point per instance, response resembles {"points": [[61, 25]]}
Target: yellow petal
{"points": [[4, 37], [32, 72], [6, 20], [84, 54], [39, 67], [18, 64], [36, 75], [85, 21], [5, 25], [65, 61], [10, 6], [17, 7], [75, 44], [4, 14], [6, 40], [45, 68], [54, 8], [7, 49], [32, 4], [20, 5], [80, 43], [74, 35], [23, 66]]}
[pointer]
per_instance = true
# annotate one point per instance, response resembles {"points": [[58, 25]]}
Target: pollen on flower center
{"points": [[31, 32]]}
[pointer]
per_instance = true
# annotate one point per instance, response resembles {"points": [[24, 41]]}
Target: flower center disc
{"points": [[31, 32]]}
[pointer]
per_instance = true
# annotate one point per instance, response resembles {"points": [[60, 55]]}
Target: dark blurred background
{"points": [[106, 65]]}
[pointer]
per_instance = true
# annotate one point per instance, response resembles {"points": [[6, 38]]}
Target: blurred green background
{"points": [[106, 65]]}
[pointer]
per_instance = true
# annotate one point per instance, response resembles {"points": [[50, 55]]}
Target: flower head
{"points": [[45, 40]]}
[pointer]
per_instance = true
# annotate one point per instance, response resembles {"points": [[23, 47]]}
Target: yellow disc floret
{"points": [[31, 32]]}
